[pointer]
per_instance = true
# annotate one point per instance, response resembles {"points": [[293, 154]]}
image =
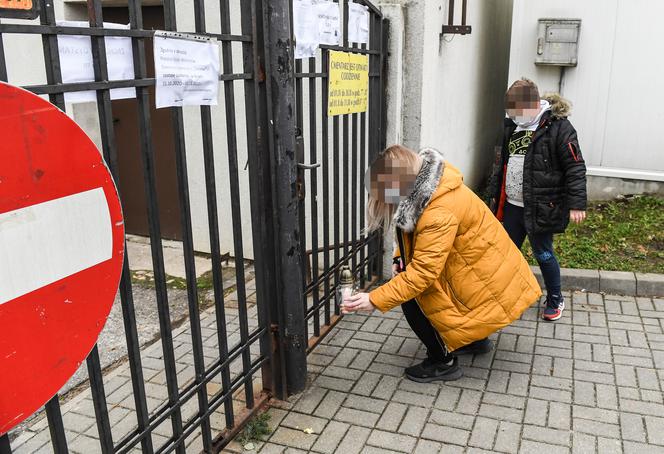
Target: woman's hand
{"points": [[357, 303], [577, 216], [396, 269]]}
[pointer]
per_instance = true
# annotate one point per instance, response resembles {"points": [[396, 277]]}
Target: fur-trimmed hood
{"points": [[560, 107], [427, 186]]}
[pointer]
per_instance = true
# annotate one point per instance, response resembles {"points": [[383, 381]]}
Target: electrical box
{"points": [[557, 42]]}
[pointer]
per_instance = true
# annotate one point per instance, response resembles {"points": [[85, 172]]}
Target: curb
{"points": [[610, 282]]}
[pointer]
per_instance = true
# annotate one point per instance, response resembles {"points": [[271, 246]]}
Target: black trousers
{"points": [[422, 327]]}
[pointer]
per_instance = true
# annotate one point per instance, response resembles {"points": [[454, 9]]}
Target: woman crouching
{"points": [[457, 275]]}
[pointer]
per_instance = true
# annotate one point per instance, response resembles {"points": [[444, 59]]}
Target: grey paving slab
{"points": [[585, 384]]}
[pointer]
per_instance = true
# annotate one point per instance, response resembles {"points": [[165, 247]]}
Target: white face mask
{"points": [[523, 120], [393, 196]]}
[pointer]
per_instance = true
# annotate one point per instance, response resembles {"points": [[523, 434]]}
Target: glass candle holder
{"points": [[346, 285]]}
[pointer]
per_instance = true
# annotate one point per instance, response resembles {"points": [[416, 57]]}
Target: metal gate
{"points": [[299, 244], [339, 149]]}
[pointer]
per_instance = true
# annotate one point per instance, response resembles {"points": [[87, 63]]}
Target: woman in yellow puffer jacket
{"points": [[458, 276]]}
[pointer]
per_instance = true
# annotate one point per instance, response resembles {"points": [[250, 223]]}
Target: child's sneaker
{"points": [[554, 308]]}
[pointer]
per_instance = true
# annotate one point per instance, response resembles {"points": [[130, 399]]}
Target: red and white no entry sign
{"points": [[61, 250]]}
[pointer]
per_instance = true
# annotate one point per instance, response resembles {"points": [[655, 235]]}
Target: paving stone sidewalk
{"points": [[590, 383], [78, 412]]}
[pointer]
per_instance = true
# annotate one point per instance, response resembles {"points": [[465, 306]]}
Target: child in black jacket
{"points": [[540, 185]]}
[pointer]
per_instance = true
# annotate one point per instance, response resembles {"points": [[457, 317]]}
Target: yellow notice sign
{"points": [[349, 83]]}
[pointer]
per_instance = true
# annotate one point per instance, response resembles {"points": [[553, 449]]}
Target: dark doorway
{"points": [[125, 119]]}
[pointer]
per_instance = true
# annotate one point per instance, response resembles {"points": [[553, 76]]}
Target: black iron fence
{"points": [[292, 310], [339, 149]]}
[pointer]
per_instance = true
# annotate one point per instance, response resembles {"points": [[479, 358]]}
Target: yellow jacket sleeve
{"points": [[433, 242]]}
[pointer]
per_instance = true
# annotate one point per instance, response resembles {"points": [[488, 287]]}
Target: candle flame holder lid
{"points": [[346, 276]]}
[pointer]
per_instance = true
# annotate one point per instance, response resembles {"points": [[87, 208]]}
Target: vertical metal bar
{"points": [[463, 12], [188, 246], [384, 36], [345, 146], [260, 191], [238, 246], [134, 352], [53, 76], [277, 312], [353, 203], [374, 119], [126, 293], [299, 133], [51, 55], [313, 157], [335, 203], [363, 194], [56, 426], [450, 18], [382, 100], [154, 228], [5, 447], [325, 135], [213, 229], [3, 64], [344, 22], [109, 151], [282, 77], [346, 189], [99, 402]]}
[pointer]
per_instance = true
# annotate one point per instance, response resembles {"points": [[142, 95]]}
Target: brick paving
{"points": [[78, 411], [590, 383]]}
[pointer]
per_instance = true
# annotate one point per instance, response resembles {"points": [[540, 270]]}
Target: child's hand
{"points": [[577, 216]]}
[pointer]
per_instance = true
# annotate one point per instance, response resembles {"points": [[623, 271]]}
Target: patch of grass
{"points": [[146, 279], [621, 235], [256, 429]]}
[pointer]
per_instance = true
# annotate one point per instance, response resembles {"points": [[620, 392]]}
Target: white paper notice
{"points": [[305, 24], [358, 23], [187, 71], [75, 53], [329, 23]]}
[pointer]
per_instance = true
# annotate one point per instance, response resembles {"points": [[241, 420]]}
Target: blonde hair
{"points": [[380, 213]]}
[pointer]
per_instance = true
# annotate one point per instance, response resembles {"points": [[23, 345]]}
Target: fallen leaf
{"points": [[249, 447], [308, 430]]}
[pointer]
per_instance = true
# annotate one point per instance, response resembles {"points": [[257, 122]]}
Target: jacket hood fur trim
{"points": [[560, 107], [426, 183]]}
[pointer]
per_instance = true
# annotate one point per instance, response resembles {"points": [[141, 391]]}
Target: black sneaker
{"points": [[554, 308], [475, 348], [433, 370]]}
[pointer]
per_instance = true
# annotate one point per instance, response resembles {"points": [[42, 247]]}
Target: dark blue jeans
{"points": [[542, 244]]}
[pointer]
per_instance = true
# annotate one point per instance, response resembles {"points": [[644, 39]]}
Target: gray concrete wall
{"points": [[607, 188], [615, 117], [448, 90]]}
